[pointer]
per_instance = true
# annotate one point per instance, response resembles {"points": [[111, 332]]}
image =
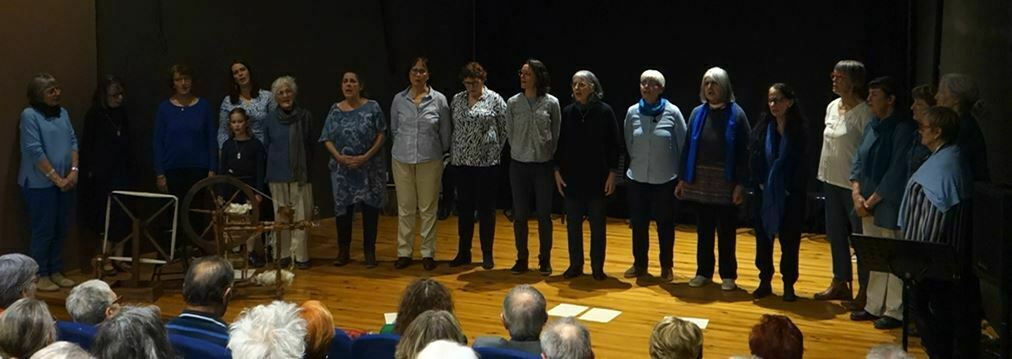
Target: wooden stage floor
{"points": [[358, 297]]}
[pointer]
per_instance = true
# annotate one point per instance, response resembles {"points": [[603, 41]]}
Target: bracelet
{"points": [[51, 172], [74, 168]]}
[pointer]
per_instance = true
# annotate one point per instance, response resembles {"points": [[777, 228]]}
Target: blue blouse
{"points": [[257, 109], [353, 133], [50, 138]]}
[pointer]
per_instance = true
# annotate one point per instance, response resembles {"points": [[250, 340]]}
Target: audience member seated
{"points": [[430, 326], [447, 349], [566, 338], [319, 328], [523, 315], [674, 338], [888, 351], [776, 337], [206, 291], [62, 350], [92, 302], [26, 327], [18, 276], [269, 331], [421, 295], [134, 332]]}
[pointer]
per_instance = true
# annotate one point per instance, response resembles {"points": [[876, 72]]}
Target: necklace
{"points": [[238, 149]]}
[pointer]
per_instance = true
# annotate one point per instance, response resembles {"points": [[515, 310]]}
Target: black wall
{"points": [[757, 42]]}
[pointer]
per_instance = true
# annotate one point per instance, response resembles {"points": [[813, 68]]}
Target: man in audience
{"points": [[523, 315], [776, 337], [269, 331], [18, 275], [888, 351], [674, 338], [566, 338], [206, 291], [91, 302]]}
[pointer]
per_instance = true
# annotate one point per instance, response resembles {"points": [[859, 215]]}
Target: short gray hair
{"points": [[38, 84], [62, 350], [963, 88], [598, 93], [888, 351], [676, 338], [88, 301], [654, 75], [17, 277], [25, 328], [524, 312], [282, 82], [857, 73], [134, 332], [722, 79], [273, 330], [442, 349], [566, 338]]}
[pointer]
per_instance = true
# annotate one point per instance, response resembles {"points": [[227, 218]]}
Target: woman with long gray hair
{"points": [[26, 327], [960, 93]]}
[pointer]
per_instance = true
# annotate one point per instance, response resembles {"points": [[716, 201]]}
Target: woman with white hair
{"points": [[18, 278], [654, 134], [62, 350], [585, 164], [959, 92], [25, 327], [274, 331], [446, 349], [47, 177], [134, 332], [289, 152], [714, 168]]}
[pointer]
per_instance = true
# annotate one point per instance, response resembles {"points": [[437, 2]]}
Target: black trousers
{"points": [[947, 315], [370, 220], [537, 181], [476, 191], [593, 208], [652, 202], [719, 218], [179, 182], [789, 236]]}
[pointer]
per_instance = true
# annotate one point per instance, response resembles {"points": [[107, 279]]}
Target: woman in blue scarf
{"points": [[777, 158], [713, 169]]}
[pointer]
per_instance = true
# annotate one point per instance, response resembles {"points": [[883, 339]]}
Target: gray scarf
{"points": [[298, 122]]}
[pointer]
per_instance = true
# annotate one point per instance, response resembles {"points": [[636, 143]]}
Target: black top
{"points": [[105, 148], [711, 142], [588, 148], [972, 147], [797, 156], [245, 160]]}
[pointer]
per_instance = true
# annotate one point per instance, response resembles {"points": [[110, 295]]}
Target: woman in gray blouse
{"points": [[533, 119], [479, 133], [420, 127]]}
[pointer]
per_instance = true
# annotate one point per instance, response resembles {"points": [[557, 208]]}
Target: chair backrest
{"points": [[501, 353], [77, 333], [195, 348], [375, 346], [340, 346]]}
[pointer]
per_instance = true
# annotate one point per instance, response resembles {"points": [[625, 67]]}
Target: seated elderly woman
{"points": [[430, 326], [25, 327], [319, 328], [62, 350], [674, 338], [447, 349], [134, 332], [18, 275], [92, 302], [421, 295], [269, 331], [776, 337]]}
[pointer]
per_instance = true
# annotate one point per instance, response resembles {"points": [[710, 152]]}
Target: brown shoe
{"points": [[838, 290], [858, 302]]}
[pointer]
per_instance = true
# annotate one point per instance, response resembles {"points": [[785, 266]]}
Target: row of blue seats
{"points": [[370, 346]]}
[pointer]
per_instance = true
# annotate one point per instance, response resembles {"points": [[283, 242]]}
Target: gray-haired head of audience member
{"points": [[208, 285], [275, 331], [18, 274], [674, 338], [524, 313], [62, 350], [447, 349], [91, 302], [430, 326], [25, 328], [888, 351], [134, 332], [566, 338]]}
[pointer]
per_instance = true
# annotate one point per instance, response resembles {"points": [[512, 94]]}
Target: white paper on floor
{"points": [[566, 310], [600, 315], [699, 322], [390, 318]]}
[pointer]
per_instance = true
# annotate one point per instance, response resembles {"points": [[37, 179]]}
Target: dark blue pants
{"points": [[593, 208], [652, 202], [49, 214], [840, 223], [789, 236]]}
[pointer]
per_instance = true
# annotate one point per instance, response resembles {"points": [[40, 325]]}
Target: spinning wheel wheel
{"points": [[210, 205]]}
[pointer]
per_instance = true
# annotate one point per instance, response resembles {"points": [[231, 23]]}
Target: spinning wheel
{"points": [[210, 205]]}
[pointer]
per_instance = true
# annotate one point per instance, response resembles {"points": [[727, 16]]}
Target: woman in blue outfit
{"points": [[353, 134], [184, 142]]}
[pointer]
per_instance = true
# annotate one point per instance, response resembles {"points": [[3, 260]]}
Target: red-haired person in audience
{"points": [[776, 337], [319, 328]]}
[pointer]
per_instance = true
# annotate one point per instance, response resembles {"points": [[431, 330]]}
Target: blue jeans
{"points": [[840, 223], [49, 213]]}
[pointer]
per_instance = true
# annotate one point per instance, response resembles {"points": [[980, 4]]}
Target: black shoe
{"points": [[545, 269], [460, 260], [572, 272], [303, 265], [519, 268], [860, 316], [285, 262], [789, 295], [599, 275], [428, 263], [341, 262], [509, 214], [764, 290], [488, 264], [402, 262], [443, 212], [667, 274], [888, 323], [370, 261]]}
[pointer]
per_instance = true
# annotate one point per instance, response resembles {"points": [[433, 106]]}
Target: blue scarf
{"points": [[652, 110], [779, 168], [944, 179], [697, 124]]}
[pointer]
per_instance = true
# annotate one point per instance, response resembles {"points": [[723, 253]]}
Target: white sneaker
{"points": [[728, 284], [699, 281], [46, 285], [60, 280]]}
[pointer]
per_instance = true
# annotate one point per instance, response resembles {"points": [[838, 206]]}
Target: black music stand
{"points": [[911, 261]]}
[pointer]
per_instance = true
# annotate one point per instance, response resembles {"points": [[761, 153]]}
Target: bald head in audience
{"points": [[566, 338]]}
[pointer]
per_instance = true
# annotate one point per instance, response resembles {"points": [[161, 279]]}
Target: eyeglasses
{"points": [[580, 85], [649, 84], [521, 73], [419, 71], [472, 83]]}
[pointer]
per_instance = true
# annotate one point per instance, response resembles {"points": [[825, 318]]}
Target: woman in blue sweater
{"points": [[185, 145]]}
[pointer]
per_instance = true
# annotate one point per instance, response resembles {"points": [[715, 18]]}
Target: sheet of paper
{"points": [[390, 317], [699, 322], [567, 310], [600, 315]]}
